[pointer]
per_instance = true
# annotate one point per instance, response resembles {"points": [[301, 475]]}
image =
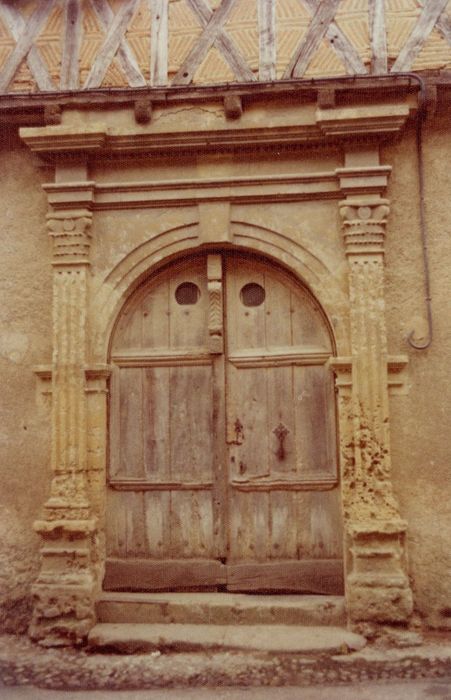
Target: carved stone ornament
{"points": [[215, 303], [71, 235], [364, 223]]}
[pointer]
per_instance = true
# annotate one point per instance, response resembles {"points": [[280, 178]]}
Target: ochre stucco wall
{"points": [[419, 419], [25, 340]]}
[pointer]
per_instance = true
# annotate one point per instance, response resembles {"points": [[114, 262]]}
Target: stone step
{"points": [[221, 609], [139, 638]]}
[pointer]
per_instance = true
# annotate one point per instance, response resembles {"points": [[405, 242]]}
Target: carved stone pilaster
{"points": [[64, 590], [377, 586]]}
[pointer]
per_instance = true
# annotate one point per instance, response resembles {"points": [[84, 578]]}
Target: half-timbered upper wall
{"points": [[51, 45]]}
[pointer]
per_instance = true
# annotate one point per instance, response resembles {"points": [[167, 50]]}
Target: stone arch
{"points": [[275, 246]]}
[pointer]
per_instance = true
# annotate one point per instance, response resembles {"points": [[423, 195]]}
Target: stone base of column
{"points": [[377, 588], [62, 614], [65, 591]]}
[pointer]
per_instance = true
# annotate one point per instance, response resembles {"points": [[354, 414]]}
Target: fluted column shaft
{"points": [[377, 585]]}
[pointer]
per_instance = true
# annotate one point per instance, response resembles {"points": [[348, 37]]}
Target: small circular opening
{"points": [[252, 294], [187, 293]]}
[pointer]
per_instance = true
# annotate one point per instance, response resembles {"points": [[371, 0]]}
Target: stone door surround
{"points": [[72, 524]]}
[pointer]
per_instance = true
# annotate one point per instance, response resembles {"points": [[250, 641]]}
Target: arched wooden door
{"points": [[223, 467]]}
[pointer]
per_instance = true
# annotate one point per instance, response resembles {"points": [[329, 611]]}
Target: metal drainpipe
{"points": [[419, 147], [423, 227]]}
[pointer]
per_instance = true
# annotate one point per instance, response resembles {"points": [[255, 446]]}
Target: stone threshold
{"points": [[221, 609], [139, 638]]}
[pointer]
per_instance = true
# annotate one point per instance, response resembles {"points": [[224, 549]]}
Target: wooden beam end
{"points": [[143, 110], [52, 114], [326, 98], [233, 106]]}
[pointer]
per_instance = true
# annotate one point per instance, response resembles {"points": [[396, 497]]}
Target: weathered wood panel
{"points": [[314, 438], [159, 42], [182, 492], [378, 36], [131, 423], [267, 39], [318, 576], [143, 574]]}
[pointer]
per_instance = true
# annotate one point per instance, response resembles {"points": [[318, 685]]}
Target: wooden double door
{"points": [[222, 450]]}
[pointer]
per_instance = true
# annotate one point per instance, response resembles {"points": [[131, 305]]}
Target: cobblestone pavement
{"points": [[413, 690], [71, 673]]}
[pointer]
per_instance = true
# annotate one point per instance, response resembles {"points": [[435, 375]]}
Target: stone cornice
{"points": [[326, 126]]}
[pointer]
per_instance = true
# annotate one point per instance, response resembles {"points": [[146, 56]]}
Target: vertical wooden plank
{"points": [[156, 438], [114, 465], [249, 526], [248, 408], [220, 458], [159, 40], [155, 317], [324, 525], [307, 323], [137, 546], [246, 324], [131, 420], [277, 312], [267, 39], [157, 523], [314, 417], [128, 334], [284, 527], [191, 524], [190, 423], [188, 322], [281, 451], [71, 45], [378, 36], [116, 525]]}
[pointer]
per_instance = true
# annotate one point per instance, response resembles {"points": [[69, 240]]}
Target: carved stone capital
{"points": [[71, 234], [364, 223]]}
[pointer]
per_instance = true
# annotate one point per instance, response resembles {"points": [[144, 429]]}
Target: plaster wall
{"points": [[419, 418], [25, 341]]}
